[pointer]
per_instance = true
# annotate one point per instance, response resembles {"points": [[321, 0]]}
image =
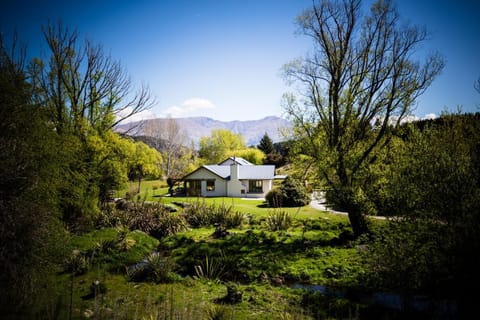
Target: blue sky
{"points": [[222, 59]]}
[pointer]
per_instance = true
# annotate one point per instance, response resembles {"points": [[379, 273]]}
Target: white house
{"points": [[233, 177]]}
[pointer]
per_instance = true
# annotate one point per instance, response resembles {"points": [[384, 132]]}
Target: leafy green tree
{"points": [[78, 193], [110, 155], [30, 166], [144, 161], [84, 94], [266, 144], [271, 155], [359, 82], [294, 193], [59, 156], [433, 247], [252, 155], [220, 144]]}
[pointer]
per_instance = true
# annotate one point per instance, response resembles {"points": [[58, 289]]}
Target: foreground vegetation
{"points": [[67, 252], [198, 268], [184, 258]]}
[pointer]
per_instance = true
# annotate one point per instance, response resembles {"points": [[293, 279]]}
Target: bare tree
{"points": [[82, 86], [360, 73], [170, 140]]}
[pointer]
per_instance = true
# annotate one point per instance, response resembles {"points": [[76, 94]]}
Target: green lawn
{"points": [[150, 190], [157, 190]]}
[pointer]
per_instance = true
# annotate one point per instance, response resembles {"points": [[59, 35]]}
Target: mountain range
{"points": [[197, 127]]}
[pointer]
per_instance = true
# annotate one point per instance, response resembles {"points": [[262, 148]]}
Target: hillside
{"points": [[197, 127]]}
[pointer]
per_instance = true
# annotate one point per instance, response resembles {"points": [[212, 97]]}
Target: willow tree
{"points": [[360, 80]]}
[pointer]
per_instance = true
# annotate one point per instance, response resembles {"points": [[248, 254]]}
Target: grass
{"points": [[157, 190], [186, 299], [150, 190], [262, 264]]}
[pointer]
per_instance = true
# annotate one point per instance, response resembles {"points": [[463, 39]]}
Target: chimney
{"points": [[234, 171]]}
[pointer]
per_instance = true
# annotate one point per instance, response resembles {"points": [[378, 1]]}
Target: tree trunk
{"points": [[139, 182], [358, 221], [357, 217]]}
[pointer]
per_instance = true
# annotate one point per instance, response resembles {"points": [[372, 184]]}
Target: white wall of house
{"points": [[213, 185], [267, 186], [204, 175], [220, 189], [235, 187]]}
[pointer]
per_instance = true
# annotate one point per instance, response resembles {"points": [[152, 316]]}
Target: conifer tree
{"points": [[266, 144]]}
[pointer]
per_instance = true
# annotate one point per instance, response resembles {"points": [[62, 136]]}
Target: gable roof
{"points": [[221, 171], [253, 172], [247, 172], [237, 160]]}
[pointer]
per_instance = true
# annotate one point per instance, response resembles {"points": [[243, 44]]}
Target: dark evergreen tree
{"points": [[266, 144], [294, 193]]}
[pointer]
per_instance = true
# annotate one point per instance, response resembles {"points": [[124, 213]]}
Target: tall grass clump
{"points": [[154, 219], [218, 312], [200, 214], [279, 221], [210, 269], [154, 267]]}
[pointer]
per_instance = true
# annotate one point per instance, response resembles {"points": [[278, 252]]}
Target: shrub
{"points": [[97, 288], [233, 296], [290, 194], [114, 216], [198, 215], [294, 193], [235, 219], [168, 224]]}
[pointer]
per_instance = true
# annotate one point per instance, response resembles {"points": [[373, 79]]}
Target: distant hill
{"points": [[197, 127]]}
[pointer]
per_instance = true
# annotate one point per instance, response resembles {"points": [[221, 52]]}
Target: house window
{"points": [[255, 186], [210, 185]]}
